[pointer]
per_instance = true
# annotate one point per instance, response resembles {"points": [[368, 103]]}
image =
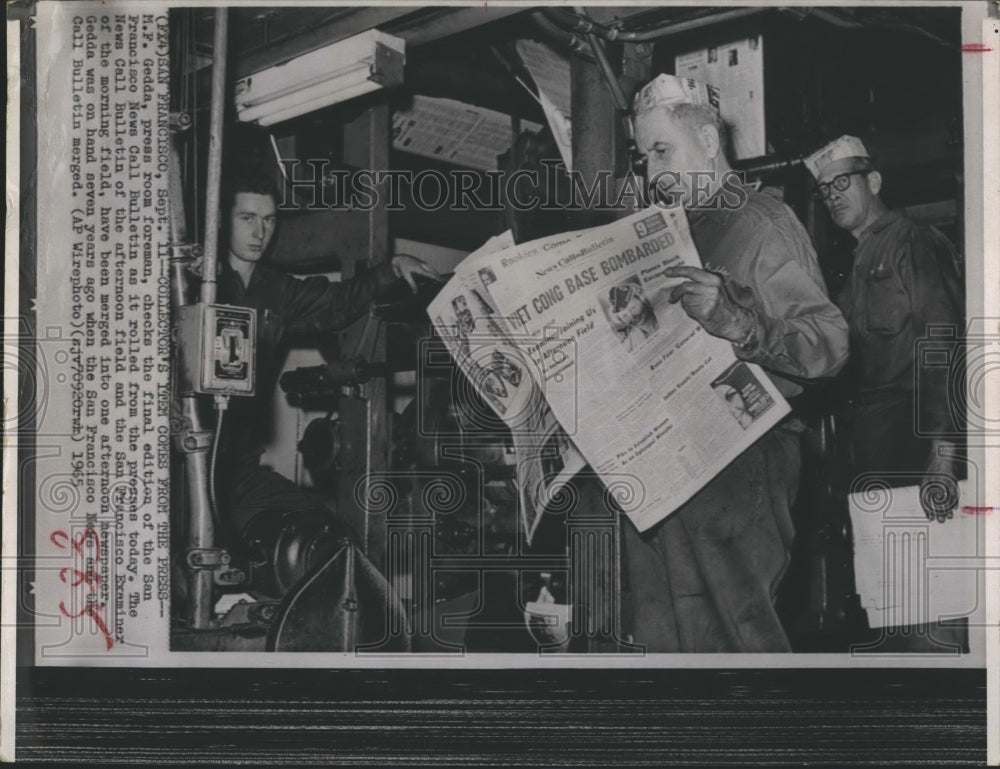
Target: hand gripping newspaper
{"points": [[572, 340]]}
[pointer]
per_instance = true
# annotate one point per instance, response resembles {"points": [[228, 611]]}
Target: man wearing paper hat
{"points": [[704, 579], [905, 278], [840, 165], [689, 101]]}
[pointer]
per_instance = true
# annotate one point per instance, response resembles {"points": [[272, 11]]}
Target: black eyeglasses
{"points": [[840, 183]]}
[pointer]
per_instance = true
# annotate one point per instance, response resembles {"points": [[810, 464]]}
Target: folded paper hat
{"points": [[666, 90], [844, 154]]}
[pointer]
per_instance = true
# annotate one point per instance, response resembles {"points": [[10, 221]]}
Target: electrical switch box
{"points": [[216, 348]]}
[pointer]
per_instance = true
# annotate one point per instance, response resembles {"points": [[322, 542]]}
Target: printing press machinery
{"points": [[430, 552]]}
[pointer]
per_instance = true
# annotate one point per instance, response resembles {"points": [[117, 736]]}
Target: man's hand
{"points": [[704, 297], [938, 487], [408, 267]]}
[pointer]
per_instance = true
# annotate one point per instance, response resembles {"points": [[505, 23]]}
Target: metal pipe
{"points": [[219, 48], [834, 19], [767, 164], [683, 26], [575, 23], [179, 283], [201, 529], [202, 535], [202, 526], [559, 35], [609, 76], [572, 22], [611, 79]]}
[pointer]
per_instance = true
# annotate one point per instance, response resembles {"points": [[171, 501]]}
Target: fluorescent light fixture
{"points": [[328, 75]]}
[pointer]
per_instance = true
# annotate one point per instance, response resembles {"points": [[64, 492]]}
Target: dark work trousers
{"points": [[704, 580], [884, 440]]}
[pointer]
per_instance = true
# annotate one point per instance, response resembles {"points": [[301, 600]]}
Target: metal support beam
{"points": [[595, 132], [363, 416], [186, 422]]}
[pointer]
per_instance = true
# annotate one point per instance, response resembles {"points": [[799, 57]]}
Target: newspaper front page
{"points": [[655, 404]]}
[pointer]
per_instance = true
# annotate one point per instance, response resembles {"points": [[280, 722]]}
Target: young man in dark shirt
{"points": [[286, 306]]}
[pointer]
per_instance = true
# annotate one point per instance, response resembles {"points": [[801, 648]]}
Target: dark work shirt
{"points": [[905, 277], [286, 307], [771, 269]]}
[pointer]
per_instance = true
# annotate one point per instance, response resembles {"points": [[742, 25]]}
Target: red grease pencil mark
{"points": [[978, 510], [976, 48], [76, 577]]}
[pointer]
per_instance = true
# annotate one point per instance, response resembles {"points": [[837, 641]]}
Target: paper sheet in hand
{"points": [[910, 570]]}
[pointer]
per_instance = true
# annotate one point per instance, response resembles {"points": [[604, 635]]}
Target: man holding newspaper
{"points": [[658, 350], [704, 579]]}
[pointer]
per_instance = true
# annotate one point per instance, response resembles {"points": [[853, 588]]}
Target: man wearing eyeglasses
{"points": [[905, 277]]}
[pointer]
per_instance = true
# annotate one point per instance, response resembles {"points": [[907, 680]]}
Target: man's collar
{"points": [[225, 270], [885, 220], [880, 224]]}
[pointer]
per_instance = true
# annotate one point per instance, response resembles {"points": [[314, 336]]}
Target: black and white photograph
{"points": [[736, 405], [630, 313], [742, 394], [280, 280]]}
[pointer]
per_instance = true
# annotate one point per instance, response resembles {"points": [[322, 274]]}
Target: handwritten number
{"points": [[63, 541]]}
